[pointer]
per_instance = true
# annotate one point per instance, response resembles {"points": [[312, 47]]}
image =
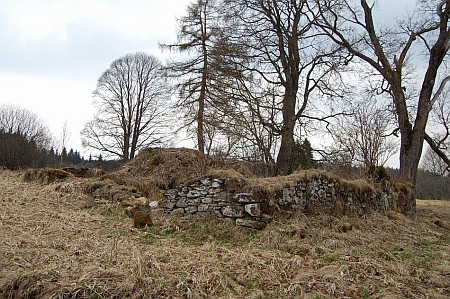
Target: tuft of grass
{"points": [[328, 259]]}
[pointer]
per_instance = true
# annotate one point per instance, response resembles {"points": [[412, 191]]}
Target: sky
{"points": [[53, 51]]}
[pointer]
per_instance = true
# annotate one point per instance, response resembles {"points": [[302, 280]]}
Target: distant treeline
{"points": [[429, 185], [19, 152]]}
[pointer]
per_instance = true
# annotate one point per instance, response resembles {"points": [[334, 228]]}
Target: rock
{"points": [[245, 197], [170, 205], [143, 208], [181, 203], [191, 209], [206, 200], [153, 204], [232, 198], [233, 211], [216, 212], [232, 184], [203, 208], [215, 185], [288, 195], [171, 194], [205, 181], [254, 210], [128, 212], [194, 193], [260, 210], [259, 225], [222, 196]]}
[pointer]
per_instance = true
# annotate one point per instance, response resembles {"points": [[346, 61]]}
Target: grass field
{"points": [[56, 242]]}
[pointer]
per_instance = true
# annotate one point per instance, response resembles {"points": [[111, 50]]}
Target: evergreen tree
{"points": [[64, 155], [77, 158], [198, 33], [303, 155], [308, 151], [70, 156]]}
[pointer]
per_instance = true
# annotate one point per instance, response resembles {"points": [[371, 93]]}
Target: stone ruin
{"points": [[254, 203]]}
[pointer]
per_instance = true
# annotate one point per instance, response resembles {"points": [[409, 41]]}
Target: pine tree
{"points": [[64, 154], [308, 152], [70, 156], [303, 155]]}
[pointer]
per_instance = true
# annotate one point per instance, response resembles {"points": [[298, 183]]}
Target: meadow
{"points": [[58, 242]]}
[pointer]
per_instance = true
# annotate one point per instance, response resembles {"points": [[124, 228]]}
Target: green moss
{"points": [[153, 159], [328, 259]]}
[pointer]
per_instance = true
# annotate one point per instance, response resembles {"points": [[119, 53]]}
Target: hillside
{"points": [[58, 242]]}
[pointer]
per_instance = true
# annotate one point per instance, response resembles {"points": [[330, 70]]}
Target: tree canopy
{"points": [[24, 138], [130, 98]]}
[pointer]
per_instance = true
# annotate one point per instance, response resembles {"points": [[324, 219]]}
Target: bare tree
{"points": [[386, 50], [130, 97], [14, 119], [24, 138], [289, 64], [433, 163], [240, 134], [363, 139], [439, 127], [65, 136]]}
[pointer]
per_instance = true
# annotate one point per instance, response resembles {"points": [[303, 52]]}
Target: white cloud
{"points": [[73, 39], [35, 21]]}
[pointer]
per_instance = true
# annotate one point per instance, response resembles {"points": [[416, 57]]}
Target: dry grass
{"points": [[56, 242], [271, 185]]}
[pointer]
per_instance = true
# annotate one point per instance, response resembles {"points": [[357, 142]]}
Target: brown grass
{"points": [[271, 185], [53, 245]]}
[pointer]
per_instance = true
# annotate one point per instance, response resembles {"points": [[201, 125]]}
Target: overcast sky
{"points": [[53, 51]]}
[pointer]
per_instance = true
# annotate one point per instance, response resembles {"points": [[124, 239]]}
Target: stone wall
{"points": [[255, 204]]}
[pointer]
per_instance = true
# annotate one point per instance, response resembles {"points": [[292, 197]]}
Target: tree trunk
{"points": [[410, 153], [201, 103], [200, 124], [285, 157], [413, 139], [126, 148]]}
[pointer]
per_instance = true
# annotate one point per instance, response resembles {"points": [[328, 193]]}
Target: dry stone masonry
{"points": [[254, 207]]}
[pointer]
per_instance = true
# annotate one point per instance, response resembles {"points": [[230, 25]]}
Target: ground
{"points": [[57, 242]]}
